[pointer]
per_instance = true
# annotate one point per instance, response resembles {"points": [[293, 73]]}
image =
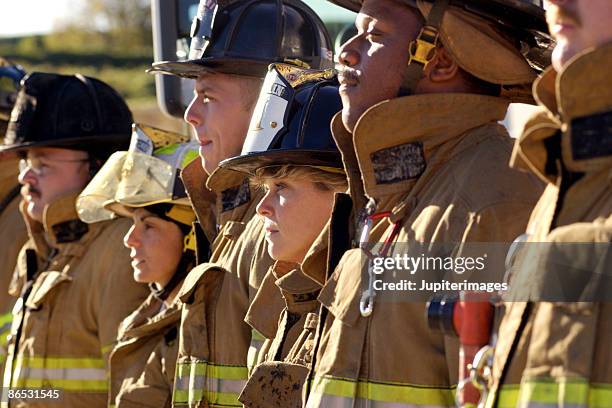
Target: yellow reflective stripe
{"points": [[560, 392], [384, 392], [5, 327], [60, 362], [600, 395], [217, 384], [70, 373], [257, 341], [565, 391], [507, 397], [218, 371]]}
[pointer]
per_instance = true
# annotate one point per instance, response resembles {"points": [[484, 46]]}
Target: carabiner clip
{"points": [[366, 304]]}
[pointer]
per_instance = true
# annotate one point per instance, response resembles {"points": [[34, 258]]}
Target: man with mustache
{"points": [[423, 85], [233, 43], [13, 229], [554, 346], [72, 279]]}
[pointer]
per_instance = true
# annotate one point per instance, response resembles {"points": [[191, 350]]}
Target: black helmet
{"points": [[290, 124], [69, 111], [10, 77], [243, 37]]}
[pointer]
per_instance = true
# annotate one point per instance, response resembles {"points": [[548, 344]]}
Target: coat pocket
{"points": [[275, 384]]}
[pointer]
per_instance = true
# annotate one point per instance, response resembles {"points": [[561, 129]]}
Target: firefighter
{"points": [[72, 279], [553, 350], [232, 45], [423, 85], [14, 233], [162, 245], [299, 167]]}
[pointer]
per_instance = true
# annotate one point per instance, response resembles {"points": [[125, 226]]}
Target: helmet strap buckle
{"points": [[189, 242], [422, 49]]}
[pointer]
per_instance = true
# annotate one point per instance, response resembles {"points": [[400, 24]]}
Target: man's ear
{"points": [[442, 67]]}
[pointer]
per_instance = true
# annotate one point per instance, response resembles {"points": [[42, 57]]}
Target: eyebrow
{"points": [[143, 217], [202, 88]]}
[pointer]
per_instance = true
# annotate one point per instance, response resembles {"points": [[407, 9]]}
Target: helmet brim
{"points": [[230, 170], [518, 13], [192, 69]]}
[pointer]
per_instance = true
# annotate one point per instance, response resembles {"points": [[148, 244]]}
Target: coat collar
{"points": [[578, 103], [149, 318], [214, 207], [396, 140], [61, 228]]}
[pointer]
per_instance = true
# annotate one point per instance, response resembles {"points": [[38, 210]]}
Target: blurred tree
{"points": [[127, 21], [112, 26]]}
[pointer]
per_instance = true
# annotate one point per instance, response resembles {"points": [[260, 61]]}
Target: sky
{"points": [[19, 17], [22, 17]]}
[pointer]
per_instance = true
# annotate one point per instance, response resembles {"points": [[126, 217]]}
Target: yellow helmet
{"points": [[144, 175]]}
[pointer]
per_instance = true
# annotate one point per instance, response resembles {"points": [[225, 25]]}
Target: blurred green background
{"points": [[112, 40]]}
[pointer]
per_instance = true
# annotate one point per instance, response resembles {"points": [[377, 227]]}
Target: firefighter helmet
{"points": [[144, 175], [69, 111], [243, 37], [290, 124], [510, 34]]}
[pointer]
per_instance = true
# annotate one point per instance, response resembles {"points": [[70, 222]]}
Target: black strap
{"points": [[339, 243], [186, 263]]}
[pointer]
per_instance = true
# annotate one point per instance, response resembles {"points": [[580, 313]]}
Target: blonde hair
{"points": [[322, 179]]}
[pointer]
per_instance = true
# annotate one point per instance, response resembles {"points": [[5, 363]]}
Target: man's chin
{"points": [[564, 51]]}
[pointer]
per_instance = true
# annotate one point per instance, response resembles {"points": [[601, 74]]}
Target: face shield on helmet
{"points": [[290, 124], [145, 175]]}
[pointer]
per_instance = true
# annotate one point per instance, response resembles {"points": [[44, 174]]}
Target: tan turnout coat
{"points": [[558, 353], [438, 163], [66, 321]]}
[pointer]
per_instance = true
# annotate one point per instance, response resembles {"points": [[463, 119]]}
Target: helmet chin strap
{"points": [[423, 48], [186, 263]]}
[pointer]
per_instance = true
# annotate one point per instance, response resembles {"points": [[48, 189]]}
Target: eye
{"points": [[279, 186], [374, 34], [148, 226], [39, 165]]}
